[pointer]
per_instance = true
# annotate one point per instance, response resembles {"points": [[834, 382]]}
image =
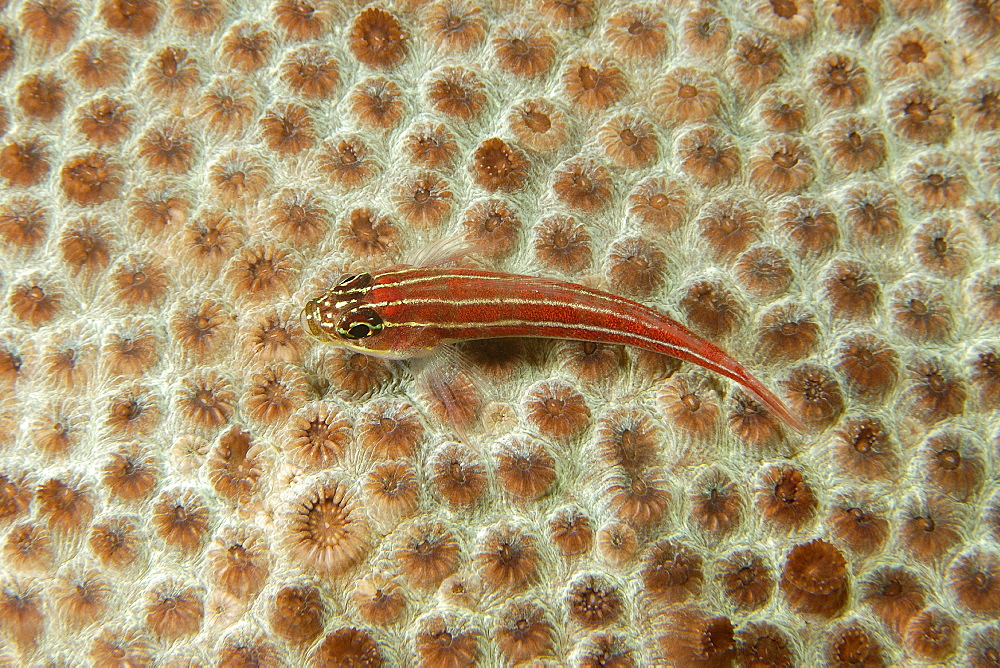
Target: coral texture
{"points": [[186, 478]]}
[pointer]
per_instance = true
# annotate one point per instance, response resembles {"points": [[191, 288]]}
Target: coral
{"points": [[672, 573], [424, 200], [106, 122], [853, 292], [247, 46], [764, 271], [751, 422], [755, 62], [814, 579], [712, 308], [932, 635], [571, 532], [379, 600], [627, 437], [562, 243], [691, 405], [28, 547], [443, 641], [348, 645], [181, 519], [855, 644], [593, 85], [810, 225], [131, 474], [538, 125], [895, 595], [457, 475], [525, 468], [392, 491], [783, 111], [785, 498], [693, 637], [239, 562], [808, 185], [813, 392], [705, 32], [746, 580], [24, 163], [83, 598], [498, 166], [593, 601], [42, 97], [377, 103], [326, 531], [234, 466], [377, 39], [523, 631], [708, 156], [855, 144], [523, 49], [115, 542], [864, 448], [456, 26], [172, 72], [427, 553], [729, 227], [297, 613], [458, 93], [788, 334], [507, 557], [347, 162], [860, 524], [91, 179], [716, 504], [687, 95], [288, 129], [762, 643]]}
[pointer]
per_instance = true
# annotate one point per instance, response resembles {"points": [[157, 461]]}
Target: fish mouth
{"points": [[310, 320]]}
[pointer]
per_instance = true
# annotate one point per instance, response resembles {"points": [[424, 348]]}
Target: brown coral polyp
{"points": [[427, 553], [507, 557], [91, 179], [302, 19], [746, 580], [297, 613], [672, 573], [24, 163], [327, 530], [594, 601], [814, 579], [785, 498], [378, 39], [498, 166], [523, 631], [895, 595], [525, 469]]}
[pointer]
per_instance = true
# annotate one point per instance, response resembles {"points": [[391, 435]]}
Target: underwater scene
{"points": [[499, 333]]}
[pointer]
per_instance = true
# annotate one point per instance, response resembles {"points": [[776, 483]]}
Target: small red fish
{"points": [[407, 312]]}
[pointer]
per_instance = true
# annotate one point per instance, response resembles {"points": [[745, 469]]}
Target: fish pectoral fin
{"points": [[461, 390]]}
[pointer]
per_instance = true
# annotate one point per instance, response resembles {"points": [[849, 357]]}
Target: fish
{"points": [[405, 312]]}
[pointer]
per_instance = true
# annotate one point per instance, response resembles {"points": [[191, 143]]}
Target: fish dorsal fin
{"points": [[451, 250]]}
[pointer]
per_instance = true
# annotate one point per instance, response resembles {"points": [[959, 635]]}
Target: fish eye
{"points": [[353, 282], [360, 324]]}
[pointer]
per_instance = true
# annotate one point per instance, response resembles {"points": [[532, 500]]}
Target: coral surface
{"points": [[187, 479]]}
